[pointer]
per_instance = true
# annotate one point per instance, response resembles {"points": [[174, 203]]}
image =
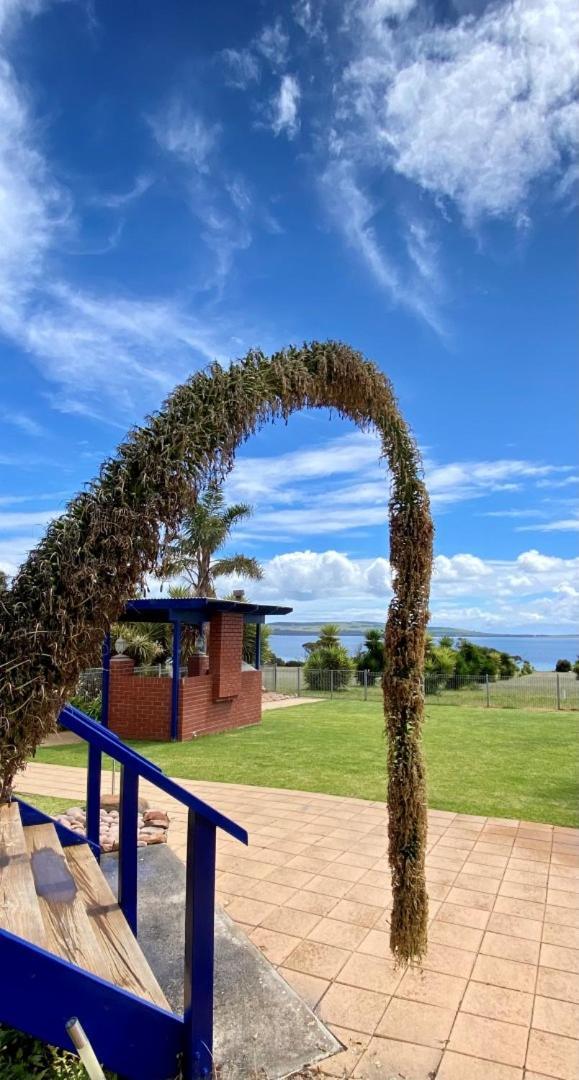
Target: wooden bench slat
{"points": [[126, 961], [19, 909], [68, 930]]}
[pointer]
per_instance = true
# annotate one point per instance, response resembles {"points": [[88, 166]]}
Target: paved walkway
{"points": [[498, 998]]}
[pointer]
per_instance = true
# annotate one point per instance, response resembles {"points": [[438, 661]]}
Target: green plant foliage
{"points": [[448, 666], [563, 666], [370, 655], [22, 1057], [97, 555], [326, 658], [92, 706]]}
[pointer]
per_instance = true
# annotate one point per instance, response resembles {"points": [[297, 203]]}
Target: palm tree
{"points": [[204, 530]]}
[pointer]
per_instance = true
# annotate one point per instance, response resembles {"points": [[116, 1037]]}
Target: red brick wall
{"points": [[139, 705], [225, 654], [201, 715]]}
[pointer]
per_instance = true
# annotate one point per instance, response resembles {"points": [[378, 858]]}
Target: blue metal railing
{"points": [[202, 823]]}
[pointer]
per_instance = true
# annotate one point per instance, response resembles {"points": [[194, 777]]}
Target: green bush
{"points": [[22, 1057], [92, 706], [324, 659], [563, 665]]}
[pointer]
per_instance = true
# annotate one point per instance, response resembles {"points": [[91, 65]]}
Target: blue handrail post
{"points": [[106, 661], [176, 684], [199, 948], [129, 807], [93, 794]]}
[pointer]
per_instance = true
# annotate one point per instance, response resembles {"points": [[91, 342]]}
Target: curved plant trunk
{"points": [[96, 555]]}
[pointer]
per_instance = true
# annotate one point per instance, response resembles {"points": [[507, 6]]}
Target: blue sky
{"points": [[181, 183]]}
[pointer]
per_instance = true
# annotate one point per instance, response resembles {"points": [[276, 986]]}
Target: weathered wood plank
{"points": [[19, 910], [68, 929], [129, 967]]}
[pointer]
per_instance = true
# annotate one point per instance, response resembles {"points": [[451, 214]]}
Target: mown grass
{"points": [[505, 763]]}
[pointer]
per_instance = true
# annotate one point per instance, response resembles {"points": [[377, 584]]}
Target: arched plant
{"points": [[95, 557]]}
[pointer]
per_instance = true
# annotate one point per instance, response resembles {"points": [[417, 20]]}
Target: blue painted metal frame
{"points": [[130, 1036], [30, 815], [199, 947], [106, 680], [93, 795], [175, 681], [127, 888], [258, 645]]}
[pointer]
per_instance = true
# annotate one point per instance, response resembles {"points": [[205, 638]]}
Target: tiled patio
{"points": [[498, 998]]}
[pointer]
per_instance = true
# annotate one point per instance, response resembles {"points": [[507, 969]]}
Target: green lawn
{"points": [[505, 763], [49, 804]]}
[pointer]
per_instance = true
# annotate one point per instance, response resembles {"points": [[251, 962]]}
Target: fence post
{"points": [[299, 680], [365, 685], [488, 692], [558, 691], [331, 682], [275, 677]]}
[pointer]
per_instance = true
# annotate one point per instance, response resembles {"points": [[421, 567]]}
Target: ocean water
{"points": [[541, 652]]}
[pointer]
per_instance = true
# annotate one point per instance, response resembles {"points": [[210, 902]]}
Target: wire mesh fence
{"points": [[540, 690]]}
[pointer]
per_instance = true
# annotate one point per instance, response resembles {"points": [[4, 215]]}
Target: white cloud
{"points": [[273, 44], [242, 67], [562, 525], [10, 520], [25, 423], [533, 591], [181, 131], [117, 200], [285, 107], [476, 112]]}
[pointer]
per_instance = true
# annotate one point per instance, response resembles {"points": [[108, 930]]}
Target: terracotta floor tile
{"points": [[370, 973], [470, 898], [449, 960], [289, 876], [235, 884], [527, 877], [360, 1010], [433, 988], [250, 912], [482, 871], [275, 946], [376, 943], [563, 884], [309, 987], [313, 958], [498, 1003], [520, 891], [562, 959], [428, 1025], [559, 1017], [563, 985], [327, 886], [290, 921], [381, 879], [342, 1064], [387, 1057], [562, 898], [524, 909], [460, 937], [356, 858], [311, 902], [508, 973], [567, 936], [458, 1067], [553, 1054], [271, 893], [510, 948], [247, 867], [515, 926], [360, 914], [477, 882], [490, 1039], [463, 915], [335, 932], [561, 916]]}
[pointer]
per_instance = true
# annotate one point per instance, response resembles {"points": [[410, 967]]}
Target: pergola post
{"points": [[106, 662], [258, 645], [176, 683]]}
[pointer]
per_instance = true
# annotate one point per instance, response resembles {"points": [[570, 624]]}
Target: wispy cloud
{"points": [[118, 200], [562, 525], [285, 107], [23, 422]]}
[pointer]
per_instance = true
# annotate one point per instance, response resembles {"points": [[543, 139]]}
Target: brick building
{"points": [[216, 692]]}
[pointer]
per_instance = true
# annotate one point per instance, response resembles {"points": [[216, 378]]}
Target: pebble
{"points": [[152, 826]]}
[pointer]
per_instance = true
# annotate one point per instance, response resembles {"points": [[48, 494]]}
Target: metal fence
{"points": [[541, 690]]}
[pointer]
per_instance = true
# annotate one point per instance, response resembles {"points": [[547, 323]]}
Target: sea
{"points": [[541, 652]]}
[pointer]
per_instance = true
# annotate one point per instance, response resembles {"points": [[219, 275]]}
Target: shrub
{"points": [[563, 665], [325, 659], [92, 706], [22, 1057]]}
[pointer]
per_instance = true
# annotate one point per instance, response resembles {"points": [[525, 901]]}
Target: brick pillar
{"points": [[198, 664], [225, 654]]}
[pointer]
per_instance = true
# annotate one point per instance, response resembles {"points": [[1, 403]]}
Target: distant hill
{"points": [[311, 630]]}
